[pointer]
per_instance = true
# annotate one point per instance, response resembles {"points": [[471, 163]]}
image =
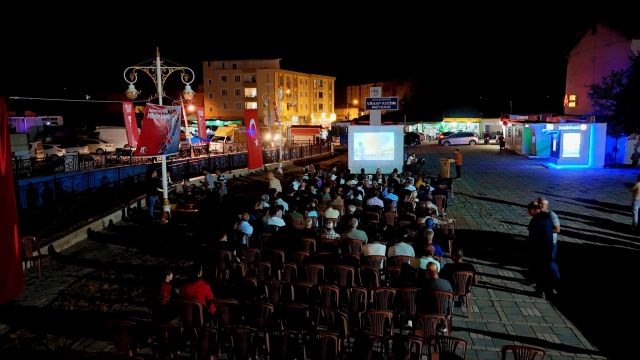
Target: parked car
{"points": [[53, 150], [76, 148], [443, 135], [411, 139], [460, 138], [98, 146]]}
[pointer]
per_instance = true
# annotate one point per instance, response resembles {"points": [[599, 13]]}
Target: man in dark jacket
{"points": [[540, 249]]}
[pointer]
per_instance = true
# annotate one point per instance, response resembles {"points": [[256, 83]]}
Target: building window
{"points": [[320, 83], [210, 108], [236, 78], [250, 92], [209, 81], [234, 66], [210, 95], [573, 100], [224, 92], [251, 105], [237, 92], [320, 106], [320, 95], [223, 78], [238, 106], [225, 106]]}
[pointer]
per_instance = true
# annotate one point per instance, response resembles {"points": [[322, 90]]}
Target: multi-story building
{"points": [[599, 51], [295, 98]]}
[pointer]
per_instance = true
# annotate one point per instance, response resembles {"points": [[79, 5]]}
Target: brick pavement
{"points": [[488, 206]]}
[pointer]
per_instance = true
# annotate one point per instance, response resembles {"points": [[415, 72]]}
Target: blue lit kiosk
{"points": [[576, 145]]}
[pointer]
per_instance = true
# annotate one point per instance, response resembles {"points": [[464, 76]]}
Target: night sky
{"points": [[462, 61]]}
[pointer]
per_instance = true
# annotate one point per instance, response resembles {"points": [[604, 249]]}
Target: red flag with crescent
{"points": [[11, 275], [254, 147]]}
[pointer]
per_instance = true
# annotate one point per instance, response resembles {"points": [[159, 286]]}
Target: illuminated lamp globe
{"points": [[131, 92], [188, 92]]}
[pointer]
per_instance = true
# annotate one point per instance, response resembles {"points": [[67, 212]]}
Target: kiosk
{"points": [[576, 145]]}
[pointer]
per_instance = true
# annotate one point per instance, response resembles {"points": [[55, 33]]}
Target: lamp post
{"points": [[158, 72]]}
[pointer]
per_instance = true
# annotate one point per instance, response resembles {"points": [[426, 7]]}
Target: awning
{"points": [[465, 120], [224, 131], [305, 131]]}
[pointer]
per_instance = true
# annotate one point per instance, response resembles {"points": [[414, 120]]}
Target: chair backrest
{"points": [[406, 300], [122, 336], [441, 302], [328, 346], [344, 275], [298, 223], [429, 325], [383, 298], [226, 311], [358, 300], [461, 282], [379, 322], [191, 313], [329, 296], [351, 246], [315, 273], [398, 260], [30, 246], [522, 352], [243, 342], [377, 261], [451, 345], [369, 276], [309, 245], [290, 273]]}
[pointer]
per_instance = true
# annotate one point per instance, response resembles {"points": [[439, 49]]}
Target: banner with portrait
{"points": [[160, 133]]}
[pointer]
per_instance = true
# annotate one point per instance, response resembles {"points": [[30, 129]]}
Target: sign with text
{"points": [[381, 103]]}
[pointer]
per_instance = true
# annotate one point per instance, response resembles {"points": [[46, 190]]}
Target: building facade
{"points": [[356, 94], [598, 52], [294, 98]]}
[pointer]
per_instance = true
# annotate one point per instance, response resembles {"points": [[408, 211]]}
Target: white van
{"points": [[116, 135]]}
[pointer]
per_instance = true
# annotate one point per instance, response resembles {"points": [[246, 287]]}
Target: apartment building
{"points": [[295, 98]]}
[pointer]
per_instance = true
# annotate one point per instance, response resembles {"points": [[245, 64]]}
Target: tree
{"points": [[615, 101]]}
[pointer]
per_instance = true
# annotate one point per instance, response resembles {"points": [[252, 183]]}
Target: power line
{"points": [[70, 100]]}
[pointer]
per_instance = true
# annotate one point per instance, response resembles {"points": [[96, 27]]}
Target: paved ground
{"points": [[108, 274]]}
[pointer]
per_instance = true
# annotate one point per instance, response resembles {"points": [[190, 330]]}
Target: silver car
{"points": [[460, 138]]}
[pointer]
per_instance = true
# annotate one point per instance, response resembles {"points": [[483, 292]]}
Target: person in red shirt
{"points": [[166, 287], [199, 290]]}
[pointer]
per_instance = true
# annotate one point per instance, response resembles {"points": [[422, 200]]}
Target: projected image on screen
{"points": [[373, 146]]}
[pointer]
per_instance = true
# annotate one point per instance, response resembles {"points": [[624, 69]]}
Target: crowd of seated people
{"points": [[330, 253]]}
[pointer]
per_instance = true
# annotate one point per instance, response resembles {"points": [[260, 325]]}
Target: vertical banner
{"points": [[254, 147], [202, 123], [160, 133], [11, 275], [130, 124]]}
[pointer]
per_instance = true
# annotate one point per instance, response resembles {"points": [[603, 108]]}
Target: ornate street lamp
{"points": [[159, 73]]}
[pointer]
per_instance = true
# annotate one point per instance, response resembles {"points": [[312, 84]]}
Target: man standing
{"points": [[540, 249], [458, 159]]}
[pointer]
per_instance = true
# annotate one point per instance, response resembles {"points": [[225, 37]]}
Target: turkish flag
{"points": [[11, 275], [254, 147]]}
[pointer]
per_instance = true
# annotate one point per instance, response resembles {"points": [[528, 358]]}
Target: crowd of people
{"points": [[328, 230]]}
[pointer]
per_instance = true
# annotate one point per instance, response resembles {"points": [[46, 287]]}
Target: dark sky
{"points": [[461, 59]]}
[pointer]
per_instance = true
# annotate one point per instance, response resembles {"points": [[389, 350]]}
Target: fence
{"points": [[51, 196]]}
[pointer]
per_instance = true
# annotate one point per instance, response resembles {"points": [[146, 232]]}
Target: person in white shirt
{"points": [[375, 200], [375, 248], [401, 248]]}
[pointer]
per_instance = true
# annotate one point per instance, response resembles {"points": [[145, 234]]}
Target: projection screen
{"points": [[372, 147]]}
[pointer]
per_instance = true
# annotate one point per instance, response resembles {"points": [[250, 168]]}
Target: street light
{"points": [[158, 72]]}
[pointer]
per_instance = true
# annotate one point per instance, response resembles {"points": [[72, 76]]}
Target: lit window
{"points": [[250, 92], [251, 105], [572, 100]]}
